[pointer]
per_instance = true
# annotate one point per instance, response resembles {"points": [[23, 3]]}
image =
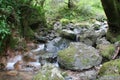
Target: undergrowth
{"points": [[84, 10]]}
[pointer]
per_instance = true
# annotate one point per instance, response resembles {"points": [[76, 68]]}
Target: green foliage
{"points": [[4, 30], [84, 10], [4, 33], [16, 17]]}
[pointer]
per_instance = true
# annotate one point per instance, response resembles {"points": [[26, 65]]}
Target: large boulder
{"points": [[79, 56], [110, 70]]}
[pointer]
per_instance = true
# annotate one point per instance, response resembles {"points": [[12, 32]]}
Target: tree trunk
{"points": [[112, 11], [70, 4]]}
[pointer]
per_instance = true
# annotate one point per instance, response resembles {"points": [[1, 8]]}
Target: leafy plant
{"points": [[4, 33]]}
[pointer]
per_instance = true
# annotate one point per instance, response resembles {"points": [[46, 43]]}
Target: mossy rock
{"points": [[49, 72], [78, 56], [47, 75], [67, 56], [107, 51], [110, 68]]}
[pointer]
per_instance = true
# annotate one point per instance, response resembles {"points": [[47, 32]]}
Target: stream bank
{"points": [[70, 52]]}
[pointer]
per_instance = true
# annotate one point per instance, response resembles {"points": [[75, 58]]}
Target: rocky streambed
{"points": [[71, 52]]}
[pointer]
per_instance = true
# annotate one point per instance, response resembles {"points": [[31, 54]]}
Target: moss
{"points": [[85, 61], [64, 21], [113, 37], [41, 76], [107, 51], [68, 55], [110, 68], [46, 75], [110, 77]]}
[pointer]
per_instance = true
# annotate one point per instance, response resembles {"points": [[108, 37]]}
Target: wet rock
{"points": [[49, 47], [40, 39], [110, 70], [52, 48], [68, 78], [35, 65], [39, 49], [79, 56], [56, 44]]}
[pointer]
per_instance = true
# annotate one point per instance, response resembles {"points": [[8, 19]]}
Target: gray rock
{"points": [[88, 75], [70, 26], [102, 41], [57, 26], [68, 34], [56, 44], [89, 37], [79, 56], [68, 78], [49, 72]]}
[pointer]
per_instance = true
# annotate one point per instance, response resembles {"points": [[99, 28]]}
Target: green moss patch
{"points": [[110, 68], [64, 21], [107, 51], [41, 76], [68, 55]]}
